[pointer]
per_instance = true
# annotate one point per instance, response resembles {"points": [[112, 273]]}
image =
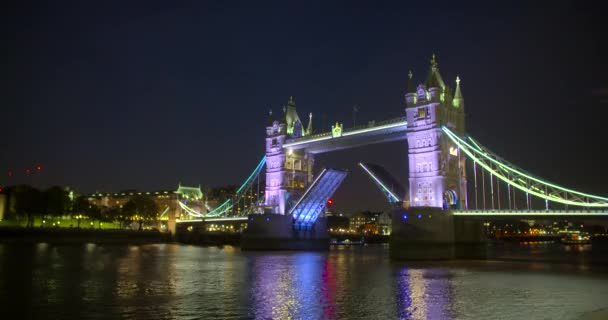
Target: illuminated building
{"points": [[168, 201], [337, 221], [372, 222]]}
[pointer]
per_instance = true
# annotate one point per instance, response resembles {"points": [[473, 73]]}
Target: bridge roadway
{"points": [[372, 132], [481, 214], [531, 214], [219, 219]]}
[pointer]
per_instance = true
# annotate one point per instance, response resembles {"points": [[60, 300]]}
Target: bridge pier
{"points": [[435, 234], [276, 232]]}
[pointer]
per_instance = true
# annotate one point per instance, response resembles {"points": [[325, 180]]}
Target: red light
{"points": [[39, 167], [330, 202]]}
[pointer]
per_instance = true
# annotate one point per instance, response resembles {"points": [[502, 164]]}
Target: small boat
{"points": [[576, 238], [346, 242]]}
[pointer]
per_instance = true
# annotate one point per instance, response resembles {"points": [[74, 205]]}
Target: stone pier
{"points": [[434, 234], [276, 232]]}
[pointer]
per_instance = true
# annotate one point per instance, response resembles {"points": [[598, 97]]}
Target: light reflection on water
{"points": [[186, 282]]}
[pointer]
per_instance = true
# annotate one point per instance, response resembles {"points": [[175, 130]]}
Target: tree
{"points": [[82, 207], [27, 201], [141, 208], [112, 214], [56, 201]]}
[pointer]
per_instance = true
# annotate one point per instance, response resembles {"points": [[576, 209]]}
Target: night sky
{"points": [[117, 95]]}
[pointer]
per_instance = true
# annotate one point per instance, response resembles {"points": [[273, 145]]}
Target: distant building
{"points": [[177, 204], [337, 221], [371, 222]]}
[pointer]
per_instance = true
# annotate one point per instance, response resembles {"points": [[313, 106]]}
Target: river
{"points": [[172, 281]]}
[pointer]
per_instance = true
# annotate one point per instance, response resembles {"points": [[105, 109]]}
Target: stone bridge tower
{"points": [[437, 171], [288, 172]]}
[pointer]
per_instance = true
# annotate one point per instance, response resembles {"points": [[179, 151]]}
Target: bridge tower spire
{"points": [[292, 120], [437, 176], [410, 93], [309, 128], [458, 101]]}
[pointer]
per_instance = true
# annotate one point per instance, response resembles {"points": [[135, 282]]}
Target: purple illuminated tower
{"points": [[275, 167], [288, 172], [437, 174]]}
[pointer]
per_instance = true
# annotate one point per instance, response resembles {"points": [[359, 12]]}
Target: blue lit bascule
{"points": [[387, 183], [312, 203], [434, 126]]}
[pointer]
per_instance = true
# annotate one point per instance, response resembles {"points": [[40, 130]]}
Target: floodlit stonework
{"points": [[437, 175]]}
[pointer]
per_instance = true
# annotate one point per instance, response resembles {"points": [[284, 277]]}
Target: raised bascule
{"points": [[433, 218]]}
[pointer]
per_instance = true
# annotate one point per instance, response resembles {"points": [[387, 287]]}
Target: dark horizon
{"points": [[147, 95]]}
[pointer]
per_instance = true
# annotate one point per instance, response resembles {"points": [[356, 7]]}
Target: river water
{"points": [[171, 281]]}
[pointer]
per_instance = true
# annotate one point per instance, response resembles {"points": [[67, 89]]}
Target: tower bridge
{"points": [[434, 215]]}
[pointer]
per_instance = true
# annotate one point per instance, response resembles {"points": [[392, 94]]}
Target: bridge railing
{"points": [[373, 123], [531, 211]]}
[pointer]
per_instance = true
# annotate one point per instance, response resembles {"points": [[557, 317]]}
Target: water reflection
{"points": [[423, 294], [291, 286], [328, 290], [186, 282]]}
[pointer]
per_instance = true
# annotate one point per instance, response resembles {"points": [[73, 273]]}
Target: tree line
{"points": [[29, 203]]}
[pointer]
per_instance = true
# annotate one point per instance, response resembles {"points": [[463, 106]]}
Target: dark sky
{"points": [[116, 95]]}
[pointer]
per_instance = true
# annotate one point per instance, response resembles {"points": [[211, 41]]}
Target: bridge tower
{"points": [[288, 172], [274, 194], [437, 175]]}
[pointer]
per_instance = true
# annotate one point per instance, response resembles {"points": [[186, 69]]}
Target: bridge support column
{"points": [[276, 232], [435, 234], [171, 224]]}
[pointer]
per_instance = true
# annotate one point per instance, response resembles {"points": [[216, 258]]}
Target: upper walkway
{"points": [[370, 133]]}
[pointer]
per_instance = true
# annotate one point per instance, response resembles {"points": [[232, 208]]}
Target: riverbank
{"points": [[75, 235]]}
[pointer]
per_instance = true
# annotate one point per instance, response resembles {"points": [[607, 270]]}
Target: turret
{"points": [[434, 94], [410, 95], [291, 116], [273, 126], [434, 77], [309, 128], [458, 101], [434, 82]]}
